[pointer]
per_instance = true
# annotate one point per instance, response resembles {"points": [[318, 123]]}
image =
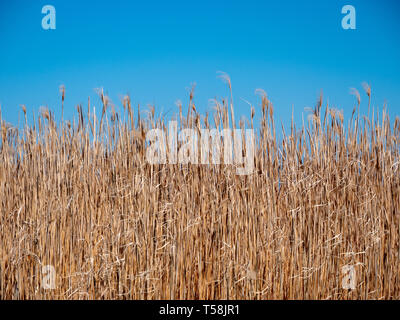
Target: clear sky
{"points": [[155, 50]]}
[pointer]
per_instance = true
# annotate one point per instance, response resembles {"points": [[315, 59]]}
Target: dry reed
{"points": [[81, 197]]}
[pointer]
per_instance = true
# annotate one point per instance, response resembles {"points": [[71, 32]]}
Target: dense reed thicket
{"points": [[82, 198]]}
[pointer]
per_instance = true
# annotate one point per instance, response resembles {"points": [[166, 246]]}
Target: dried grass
{"points": [[82, 197]]}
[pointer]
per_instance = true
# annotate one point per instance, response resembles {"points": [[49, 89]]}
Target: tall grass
{"points": [[81, 197]]}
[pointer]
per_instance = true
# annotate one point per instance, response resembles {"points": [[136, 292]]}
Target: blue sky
{"points": [[155, 50]]}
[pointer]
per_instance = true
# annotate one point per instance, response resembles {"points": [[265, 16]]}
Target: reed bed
{"points": [[82, 198]]}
